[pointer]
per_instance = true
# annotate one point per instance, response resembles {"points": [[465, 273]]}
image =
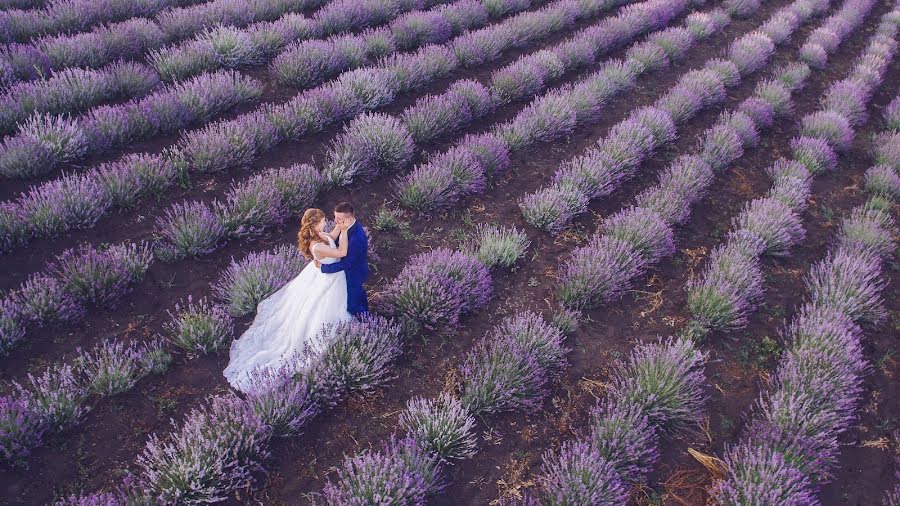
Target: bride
{"points": [[288, 321]]}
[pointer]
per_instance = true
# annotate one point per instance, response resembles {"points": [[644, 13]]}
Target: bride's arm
{"points": [[339, 252], [335, 232]]}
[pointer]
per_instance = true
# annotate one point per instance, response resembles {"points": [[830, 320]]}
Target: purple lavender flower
{"points": [[491, 151], [251, 206], [402, 473], [499, 246], [675, 41], [813, 55], [415, 70], [728, 290], [777, 94], [887, 149], [680, 184], [848, 100], [647, 56], [231, 143], [369, 146], [298, 185], [358, 354], [664, 381], [544, 120], [743, 124], [502, 374], [61, 137], [791, 185], [658, 122], [21, 429], [623, 436], [741, 8], [867, 229], [244, 284], [848, 281], [56, 396], [720, 146], [526, 76], [599, 272], [579, 474], [423, 301], [282, 399], [200, 326], [26, 62], [102, 277], [442, 426], [882, 180], [372, 87], [762, 475], [435, 115], [12, 324], [761, 111], [112, 368], [416, 29], [22, 157], [830, 127], [681, 103], [189, 229], [892, 115], [214, 452], [781, 25], [751, 52], [552, 208], [45, 300], [793, 75], [432, 185], [134, 176], [726, 70], [643, 230], [72, 201], [707, 83], [775, 224], [816, 154]]}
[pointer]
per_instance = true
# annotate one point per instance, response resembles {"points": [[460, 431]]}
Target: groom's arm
{"points": [[356, 250]]}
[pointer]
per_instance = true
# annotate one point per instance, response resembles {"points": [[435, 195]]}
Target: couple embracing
{"points": [[329, 290]]}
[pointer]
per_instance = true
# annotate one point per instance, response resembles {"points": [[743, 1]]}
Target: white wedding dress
{"points": [[288, 321]]}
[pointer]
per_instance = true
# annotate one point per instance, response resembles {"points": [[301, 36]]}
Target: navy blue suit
{"points": [[356, 267]]}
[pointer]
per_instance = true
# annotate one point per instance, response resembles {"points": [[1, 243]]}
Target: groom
{"points": [[356, 263]]}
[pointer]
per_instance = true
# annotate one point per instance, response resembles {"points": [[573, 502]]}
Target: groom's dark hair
{"points": [[344, 207]]}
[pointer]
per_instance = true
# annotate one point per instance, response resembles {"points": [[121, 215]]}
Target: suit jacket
{"points": [[356, 267]]}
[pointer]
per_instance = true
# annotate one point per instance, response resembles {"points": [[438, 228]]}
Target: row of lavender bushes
{"points": [[79, 278], [308, 63], [65, 16], [45, 142], [617, 158], [229, 436], [57, 400], [134, 38], [73, 90], [257, 44], [791, 446], [448, 177], [76, 206], [731, 285], [370, 145]]}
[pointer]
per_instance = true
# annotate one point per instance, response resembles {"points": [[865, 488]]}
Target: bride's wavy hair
{"points": [[307, 235]]}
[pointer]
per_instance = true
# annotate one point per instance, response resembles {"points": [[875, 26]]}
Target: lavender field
{"points": [[634, 252]]}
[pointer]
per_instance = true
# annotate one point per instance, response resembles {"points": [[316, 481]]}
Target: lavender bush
{"points": [[44, 299], [200, 326], [189, 229], [214, 452], [442, 426], [101, 277], [403, 473], [112, 367], [370, 146], [21, 429], [498, 246], [283, 399], [358, 353], [56, 396], [244, 284]]}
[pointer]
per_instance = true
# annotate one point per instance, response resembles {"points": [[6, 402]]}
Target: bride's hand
{"points": [[318, 264]]}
